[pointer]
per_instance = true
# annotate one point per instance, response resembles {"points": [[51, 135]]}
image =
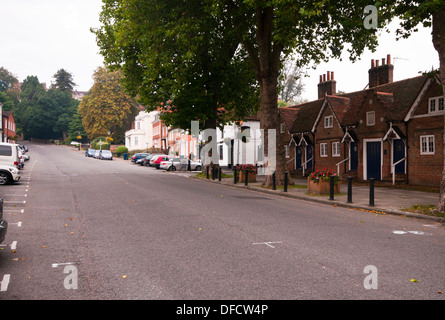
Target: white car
{"points": [[9, 174], [180, 164]]}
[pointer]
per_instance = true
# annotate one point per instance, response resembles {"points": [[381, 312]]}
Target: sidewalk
{"points": [[386, 200]]}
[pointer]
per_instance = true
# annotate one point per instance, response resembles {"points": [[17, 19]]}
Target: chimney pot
{"points": [[321, 78], [377, 62], [383, 61], [332, 75], [329, 75], [388, 59], [372, 63], [324, 78]]}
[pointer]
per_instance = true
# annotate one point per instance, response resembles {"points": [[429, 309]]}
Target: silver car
{"points": [[181, 164], [106, 155]]}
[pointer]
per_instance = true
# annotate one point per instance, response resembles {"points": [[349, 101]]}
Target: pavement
{"points": [[387, 200]]}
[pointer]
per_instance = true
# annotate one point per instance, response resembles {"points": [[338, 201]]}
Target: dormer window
{"points": [[435, 105], [328, 121]]}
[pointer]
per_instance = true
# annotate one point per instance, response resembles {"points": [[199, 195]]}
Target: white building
{"points": [[141, 135]]}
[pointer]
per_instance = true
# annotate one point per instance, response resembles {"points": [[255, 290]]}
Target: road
{"points": [[81, 228]]}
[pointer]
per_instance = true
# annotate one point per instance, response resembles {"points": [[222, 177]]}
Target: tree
{"points": [[429, 13], [266, 31], [107, 108], [7, 80], [289, 82], [64, 81], [180, 59]]}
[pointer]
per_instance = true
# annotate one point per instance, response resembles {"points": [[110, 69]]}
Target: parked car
{"points": [[90, 152], [181, 164], [140, 161], [157, 161], [138, 156], [3, 226], [106, 155], [9, 174], [147, 159], [10, 154], [96, 154]]}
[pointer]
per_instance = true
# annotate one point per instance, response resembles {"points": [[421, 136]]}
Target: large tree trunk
{"points": [[267, 68], [439, 45]]}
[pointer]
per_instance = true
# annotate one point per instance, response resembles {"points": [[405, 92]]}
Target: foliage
{"points": [[325, 175], [63, 80], [107, 107], [105, 144], [7, 80], [250, 168], [120, 150], [179, 58]]}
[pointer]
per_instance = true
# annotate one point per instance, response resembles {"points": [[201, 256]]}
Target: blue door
{"points": [[353, 155], [309, 156], [374, 160], [298, 158], [399, 153]]}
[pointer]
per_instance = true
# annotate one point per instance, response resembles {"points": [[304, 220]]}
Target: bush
{"points": [[325, 175], [120, 150]]}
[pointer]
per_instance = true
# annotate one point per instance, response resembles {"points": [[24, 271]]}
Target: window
{"points": [[370, 118], [435, 105], [323, 149], [427, 144], [336, 149], [328, 121], [136, 140]]}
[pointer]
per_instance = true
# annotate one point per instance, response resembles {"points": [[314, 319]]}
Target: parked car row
{"points": [[99, 154], [166, 162], [12, 160]]}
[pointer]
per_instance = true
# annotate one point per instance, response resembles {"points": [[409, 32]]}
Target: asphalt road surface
{"points": [[82, 228]]}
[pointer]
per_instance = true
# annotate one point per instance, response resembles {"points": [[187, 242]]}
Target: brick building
{"points": [[391, 131]]}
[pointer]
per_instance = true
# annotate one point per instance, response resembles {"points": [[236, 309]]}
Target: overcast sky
{"points": [[39, 37]]}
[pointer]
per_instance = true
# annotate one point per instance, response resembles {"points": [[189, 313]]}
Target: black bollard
{"points": [[349, 190], [213, 173], [274, 182], [207, 172], [285, 182], [234, 176], [331, 188], [371, 192], [219, 174], [246, 180]]}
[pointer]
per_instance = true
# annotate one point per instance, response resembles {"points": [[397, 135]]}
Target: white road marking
{"points": [[5, 282], [268, 243], [55, 265], [14, 245]]}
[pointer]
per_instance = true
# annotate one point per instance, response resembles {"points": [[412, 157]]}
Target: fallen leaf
{"points": [[43, 246], [71, 218], [15, 259], [439, 292], [413, 280], [124, 276], [200, 229], [13, 251]]}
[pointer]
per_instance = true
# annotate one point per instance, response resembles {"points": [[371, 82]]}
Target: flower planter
{"points": [[321, 187], [250, 178]]}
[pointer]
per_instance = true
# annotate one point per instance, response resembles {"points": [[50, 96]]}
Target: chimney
{"points": [[379, 75], [327, 85]]}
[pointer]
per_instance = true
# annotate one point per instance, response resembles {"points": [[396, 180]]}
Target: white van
{"points": [[9, 154]]}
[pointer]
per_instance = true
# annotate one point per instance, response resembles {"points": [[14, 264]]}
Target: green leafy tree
{"points": [[266, 32], [179, 58], [64, 81], [107, 108]]}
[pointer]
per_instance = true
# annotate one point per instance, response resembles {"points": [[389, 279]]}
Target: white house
{"points": [[141, 135]]}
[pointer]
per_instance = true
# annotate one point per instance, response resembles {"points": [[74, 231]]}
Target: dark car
{"points": [[3, 223], [138, 156], [89, 153]]}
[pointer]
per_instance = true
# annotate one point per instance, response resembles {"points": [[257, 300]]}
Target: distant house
{"points": [[140, 136], [78, 95], [391, 131], [9, 133]]}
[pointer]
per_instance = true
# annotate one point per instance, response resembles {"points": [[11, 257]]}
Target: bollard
{"points": [[285, 182], [207, 172], [246, 180], [213, 173], [219, 174], [349, 190], [331, 188], [371, 192], [234, 176], [274, 182]]}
